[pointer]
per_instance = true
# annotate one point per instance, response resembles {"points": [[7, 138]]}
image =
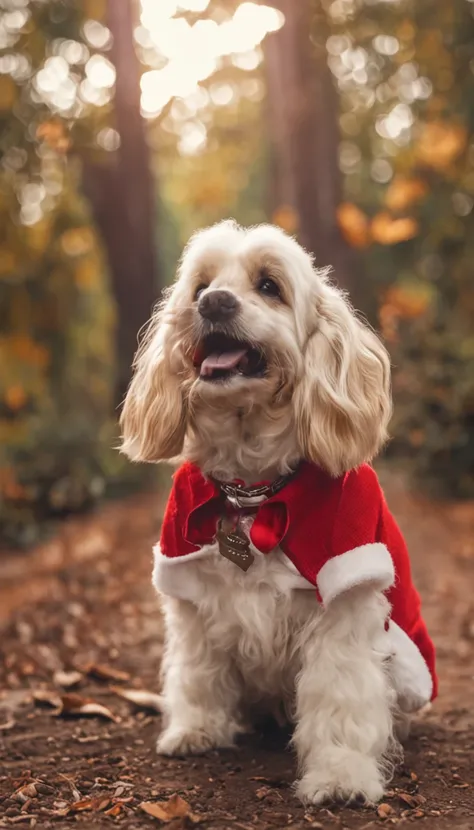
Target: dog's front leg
{"points": [[344, 729], [200, 686]]}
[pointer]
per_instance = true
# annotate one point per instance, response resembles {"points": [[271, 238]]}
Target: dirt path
{"points": [[84, 598]]}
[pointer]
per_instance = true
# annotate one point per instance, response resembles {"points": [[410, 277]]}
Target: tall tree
{"points": [[304, 133], [121, 191]]}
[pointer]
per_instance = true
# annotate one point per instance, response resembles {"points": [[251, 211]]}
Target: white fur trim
{"points": [[368, 563], [173, 576], [187, 557], [411, 676]]}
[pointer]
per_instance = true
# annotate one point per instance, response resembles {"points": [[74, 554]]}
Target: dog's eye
{"points": [[268, 287], [201, 287]]}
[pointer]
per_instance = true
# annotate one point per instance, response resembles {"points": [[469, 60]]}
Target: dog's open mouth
{"points": [[219, 357]]}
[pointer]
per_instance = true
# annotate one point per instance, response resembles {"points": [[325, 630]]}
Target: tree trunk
{"points": [[304, 133], [122, 196]]}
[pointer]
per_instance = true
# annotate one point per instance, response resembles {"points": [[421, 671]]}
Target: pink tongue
{"points": [[221, 360]]}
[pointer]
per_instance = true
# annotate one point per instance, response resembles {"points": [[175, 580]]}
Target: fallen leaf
{"points": [[44, 789], [9, 724], [74, 704], [175, 807], [384, 810], [67, 678], [114, 811], [462, 786], [75, 792], [103, 672], [49, 698], [262, 792], [62, 811], [140, 697], [277, 783], [25, 793], [95, 804], [412, 800]]}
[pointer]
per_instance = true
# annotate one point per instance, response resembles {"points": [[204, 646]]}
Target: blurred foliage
{"points": [[406, 82], [56, 312]]}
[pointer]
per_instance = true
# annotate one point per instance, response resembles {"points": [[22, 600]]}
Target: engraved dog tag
{"points": [[235, 546]]}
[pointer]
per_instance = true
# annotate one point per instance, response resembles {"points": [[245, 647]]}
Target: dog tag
{"points": [[235, 546]]}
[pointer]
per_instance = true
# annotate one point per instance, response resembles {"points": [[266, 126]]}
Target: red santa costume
{"points": [[335, 533]]}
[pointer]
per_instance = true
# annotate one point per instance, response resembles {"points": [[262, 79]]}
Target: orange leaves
{"points": [[8, 262], [77, 241], [86, 274], [389, 231], [359, 231], [23, 348], [404, 191], [410, 300], [8, 92], [175, 807], [10, 488], [286, 217], [354, 225], [404, 301], [440, 144], [15, 397], [54, 133]]}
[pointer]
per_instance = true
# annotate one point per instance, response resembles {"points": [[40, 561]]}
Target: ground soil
{"points": [[85, 598]]}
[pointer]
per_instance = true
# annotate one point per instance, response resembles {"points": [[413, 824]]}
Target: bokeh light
{"points": [[190, 53]]}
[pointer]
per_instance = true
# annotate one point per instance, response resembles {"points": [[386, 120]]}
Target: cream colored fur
{"points": [[249, 639]]}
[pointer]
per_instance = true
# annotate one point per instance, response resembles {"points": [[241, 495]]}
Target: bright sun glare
{"points": [[191, 53], [181, 55]]}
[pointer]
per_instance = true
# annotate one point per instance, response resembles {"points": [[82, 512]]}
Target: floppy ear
{"points": [[153, 418], [343, 402]]}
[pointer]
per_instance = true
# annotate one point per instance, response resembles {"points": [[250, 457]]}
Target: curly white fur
{"points": [[239, 641]]}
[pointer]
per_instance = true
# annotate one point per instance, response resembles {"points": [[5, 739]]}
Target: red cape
{"points": [[338, 533]]}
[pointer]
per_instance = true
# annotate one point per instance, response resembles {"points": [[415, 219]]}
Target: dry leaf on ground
{"points": [[114, 811], [102, 672], [67, 679], [48, 697], [384, 810], [25, 793], [411, 800], [75, 792], [140, 697], [175, 807], [73, 704], [97, 804]]}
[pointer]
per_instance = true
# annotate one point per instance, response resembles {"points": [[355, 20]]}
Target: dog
{"points": [[282, 574]]}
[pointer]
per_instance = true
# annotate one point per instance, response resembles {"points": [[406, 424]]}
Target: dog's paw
{"points": [[190, 742], [352, 778]]}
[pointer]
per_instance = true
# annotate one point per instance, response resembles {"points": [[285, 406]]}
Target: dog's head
{"points": [[251, 325]]}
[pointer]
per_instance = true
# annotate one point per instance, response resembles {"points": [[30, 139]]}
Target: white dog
{"points": [[283, 575]]}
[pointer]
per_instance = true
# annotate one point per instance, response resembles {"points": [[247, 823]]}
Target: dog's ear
{"points": [[342, 404], [153, 418]]}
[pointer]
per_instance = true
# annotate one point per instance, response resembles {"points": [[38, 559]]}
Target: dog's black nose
{"points": [[218, 306]]}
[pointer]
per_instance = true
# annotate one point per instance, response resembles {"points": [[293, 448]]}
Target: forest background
{"points": [[124, 126]]}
